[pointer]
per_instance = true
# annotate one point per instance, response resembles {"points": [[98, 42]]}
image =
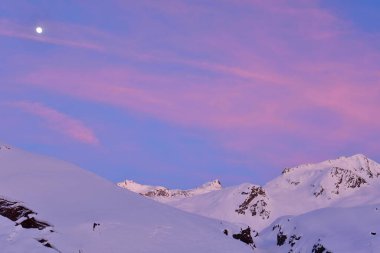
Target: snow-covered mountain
{"points": [[163, 194], [298, 190], [51, 206], [332, 206]]}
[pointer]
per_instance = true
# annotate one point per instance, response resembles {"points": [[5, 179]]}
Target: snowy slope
{"points": [[344, 230], [163, 194], [230, 204], [346, 181], [56, 204]]}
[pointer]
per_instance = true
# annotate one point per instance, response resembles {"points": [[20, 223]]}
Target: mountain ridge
{"points": [[297, 190], [163, 194], [325, 207]]}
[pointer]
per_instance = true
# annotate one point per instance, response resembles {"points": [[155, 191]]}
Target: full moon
{"points": [[39, 29]]}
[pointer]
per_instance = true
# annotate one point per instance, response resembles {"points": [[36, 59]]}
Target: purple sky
{"points": [[178, 92]]}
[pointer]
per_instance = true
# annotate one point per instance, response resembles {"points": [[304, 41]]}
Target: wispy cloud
{"points": [[58, 121], [259, 75]]}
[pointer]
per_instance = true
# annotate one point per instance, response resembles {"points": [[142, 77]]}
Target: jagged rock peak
{"points": [[215, 184]]}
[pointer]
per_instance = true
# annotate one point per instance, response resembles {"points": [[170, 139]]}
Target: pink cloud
{"points": [[223, 107], [59, 122], [296, 58], [182, 105]]}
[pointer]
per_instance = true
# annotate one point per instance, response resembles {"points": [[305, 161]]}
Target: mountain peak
{"points": [[164, 194], [307, 187], [349, 162], [136, 187], [212, 185], [331, 178], [356, 157]]}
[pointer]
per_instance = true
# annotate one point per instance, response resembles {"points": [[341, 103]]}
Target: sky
{"points": [[180, 92]]}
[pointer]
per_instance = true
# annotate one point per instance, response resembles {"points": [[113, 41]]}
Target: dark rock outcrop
{"points": [[256, 203], [245, 236], [345, 179], [319, 248], [20, 214]]}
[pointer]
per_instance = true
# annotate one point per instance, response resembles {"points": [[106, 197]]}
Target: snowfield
{"points": [[51, 206]]}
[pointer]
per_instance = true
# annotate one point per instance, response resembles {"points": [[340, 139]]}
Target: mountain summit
{"points": [[330, 179], [331, 206], [297, 190], [163, 194]]}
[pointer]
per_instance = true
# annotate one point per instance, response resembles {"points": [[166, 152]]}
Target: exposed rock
{"points": [[34, 224], [47, 244], [245, 236], [319, 248], [281, 238], [346, 179], [293, 239], [13, 211], [286, 170], [319, 192], [161, 193], [24, 217], [256, 202], [157, 192], [21, 215]]}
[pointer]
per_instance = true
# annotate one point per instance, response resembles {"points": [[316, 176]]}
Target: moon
{"points": [[39, 30]]}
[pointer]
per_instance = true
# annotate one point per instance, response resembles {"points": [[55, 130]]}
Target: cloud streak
{"points": [[269, 78], [58, 121]]}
